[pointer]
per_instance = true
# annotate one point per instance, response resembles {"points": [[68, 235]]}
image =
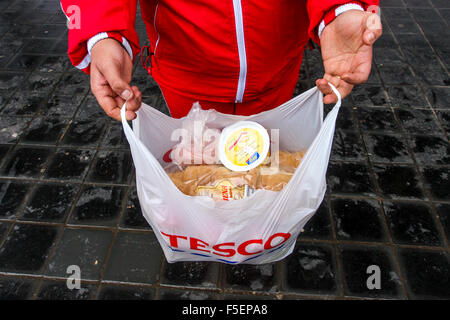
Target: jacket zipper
{"points": [[154, 26], [241, 49]]}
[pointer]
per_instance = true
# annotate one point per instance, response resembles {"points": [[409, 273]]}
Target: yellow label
{"points": [[223, 190], [244, 146]]}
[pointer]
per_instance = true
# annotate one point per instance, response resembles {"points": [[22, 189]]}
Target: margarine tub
{"points": [[243, 145]]}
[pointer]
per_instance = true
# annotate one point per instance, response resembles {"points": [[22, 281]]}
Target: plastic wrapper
{"points": [[268, 176], [195, 168], [198, 142]]}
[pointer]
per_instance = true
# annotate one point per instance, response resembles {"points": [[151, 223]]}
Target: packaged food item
{"points": [[227, 164], [273, 180], [221, 183], [223, 190], [243, 145], [197, 143], [288, 161], [208, 176]]}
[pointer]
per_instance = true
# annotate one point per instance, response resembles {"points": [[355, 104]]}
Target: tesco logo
{"points": [[251, 247]]}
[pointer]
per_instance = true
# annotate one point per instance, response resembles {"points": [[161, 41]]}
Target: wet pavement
{"points": [[68, 196]]}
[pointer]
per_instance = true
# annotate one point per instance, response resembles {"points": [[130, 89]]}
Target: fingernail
{"points": [[371, 37], [126, 94], [130, 115]]}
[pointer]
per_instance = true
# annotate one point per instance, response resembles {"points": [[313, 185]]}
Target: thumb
{"points": [[115, 80], [373, 29]]}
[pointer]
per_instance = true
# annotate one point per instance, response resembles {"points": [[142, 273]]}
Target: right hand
{"points": [[111, 71]]}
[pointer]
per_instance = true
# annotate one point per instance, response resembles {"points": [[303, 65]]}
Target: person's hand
{"points": [[346, 45], [111, 71]]}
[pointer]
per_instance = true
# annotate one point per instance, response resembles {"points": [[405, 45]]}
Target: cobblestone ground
{"points": [[68, 197]]}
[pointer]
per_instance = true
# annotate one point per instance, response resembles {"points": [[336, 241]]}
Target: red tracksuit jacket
{"points": [[217, 50]]}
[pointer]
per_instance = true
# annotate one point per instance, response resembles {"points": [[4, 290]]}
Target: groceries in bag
{"points": [[243, 145], [260, 229], [229, 163], [200, 180]]}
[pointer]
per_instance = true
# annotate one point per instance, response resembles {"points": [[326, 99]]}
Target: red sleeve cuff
{"points": [[335, 11], [86, 62]]}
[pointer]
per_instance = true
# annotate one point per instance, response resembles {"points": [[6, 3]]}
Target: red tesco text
{"points": [[229, 249]]}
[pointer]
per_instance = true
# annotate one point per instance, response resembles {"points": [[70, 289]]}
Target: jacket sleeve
{"points": [[322, 12], [92, 20]]}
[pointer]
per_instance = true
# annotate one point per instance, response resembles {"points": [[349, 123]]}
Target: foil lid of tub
{"points": [[243, 145]]}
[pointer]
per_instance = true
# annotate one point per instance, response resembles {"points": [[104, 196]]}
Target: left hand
{"points": [[346, 45]]}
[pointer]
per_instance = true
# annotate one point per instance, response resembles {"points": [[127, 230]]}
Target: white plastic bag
{"points": [[260, 229]]}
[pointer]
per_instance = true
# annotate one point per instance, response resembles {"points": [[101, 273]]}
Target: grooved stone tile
{"points": [[347, 145], [115, 137], [113, 292], [4, 226], [73, 83], [319, 226], [112, 167], [398, 181], [26, 162], [58, 290], [358, 220], [4, 151], [427, 273], [44, 130], [439, 97], [362, 265], [406, 96], [396, 74], [24, 104], [174, 294], [133, 216], [50, 202], [98, 206], [444, 119], [62, 106], [443, 210], [369, 95], [11, 128], [83, 248], [412, 223], [54, 64], [191, 274], [418, 121], [437, 181], [26, 248], [387, 148], [251, 277], [430, 149], [377, 119], [84, 132], [12, 288], [349, 178], [310, 269], [69, 164], [134, 258], [12, 194]]}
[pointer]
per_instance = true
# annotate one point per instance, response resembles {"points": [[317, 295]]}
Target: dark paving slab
{"points": [[68, 194]]}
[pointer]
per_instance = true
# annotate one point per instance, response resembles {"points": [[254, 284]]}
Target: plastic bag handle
{"points": [[325, 134], [122, 112], [333, 88], [127, 127], [337, 93]]}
